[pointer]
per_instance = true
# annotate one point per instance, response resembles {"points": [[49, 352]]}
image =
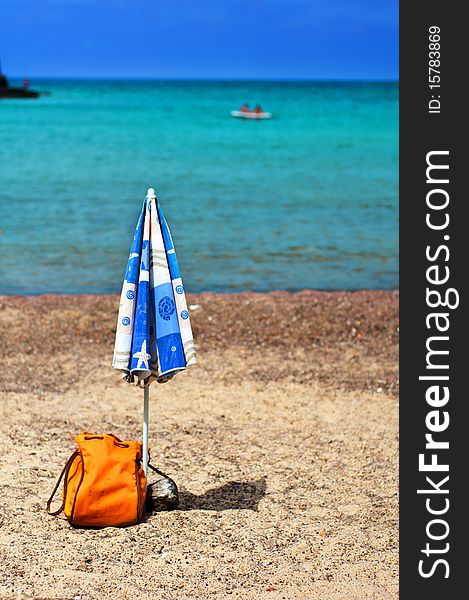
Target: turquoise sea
{"points": [[308, 199]]}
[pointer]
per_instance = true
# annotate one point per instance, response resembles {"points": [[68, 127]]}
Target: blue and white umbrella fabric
{"points": [[154, 337]]}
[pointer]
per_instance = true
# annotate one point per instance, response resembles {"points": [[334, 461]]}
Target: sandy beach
{"points": [[283, 442]]}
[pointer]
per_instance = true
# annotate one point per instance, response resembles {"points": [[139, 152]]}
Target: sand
{"points": [[283, 442]]}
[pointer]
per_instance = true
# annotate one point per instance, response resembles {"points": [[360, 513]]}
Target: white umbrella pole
{"points": [[146, 410]]}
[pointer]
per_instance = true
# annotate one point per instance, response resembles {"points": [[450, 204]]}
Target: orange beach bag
{"points": [[104, 482]]}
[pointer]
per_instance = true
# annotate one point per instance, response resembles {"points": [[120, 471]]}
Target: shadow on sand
{"points": [[232, 495]]}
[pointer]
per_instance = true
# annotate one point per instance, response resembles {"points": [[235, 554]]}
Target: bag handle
{"points": [[65, 472]]}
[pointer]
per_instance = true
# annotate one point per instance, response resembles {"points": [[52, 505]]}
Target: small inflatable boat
{"points": [[250, 114]]}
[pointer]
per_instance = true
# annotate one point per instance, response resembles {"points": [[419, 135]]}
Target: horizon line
{"points": [[210, 79]]}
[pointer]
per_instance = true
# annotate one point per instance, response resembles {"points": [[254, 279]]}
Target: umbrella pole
{"points": [[146, 410]]}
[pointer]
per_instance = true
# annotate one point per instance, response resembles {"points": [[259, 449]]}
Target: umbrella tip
{"points": [[151, 193]]}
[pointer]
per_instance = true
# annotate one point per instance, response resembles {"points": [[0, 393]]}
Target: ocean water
{"points": [[308, 199]]}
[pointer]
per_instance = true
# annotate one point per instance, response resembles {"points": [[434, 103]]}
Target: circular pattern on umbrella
{"points": [[179, 289], [166, 308], [184, 314], [130, 295], [126, 321]]}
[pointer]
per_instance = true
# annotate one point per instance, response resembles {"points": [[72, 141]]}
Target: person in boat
{"points": [[244, 108], [258, 109]]}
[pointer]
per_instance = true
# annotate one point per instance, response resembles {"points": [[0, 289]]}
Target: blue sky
{"points": [[311, 39]]}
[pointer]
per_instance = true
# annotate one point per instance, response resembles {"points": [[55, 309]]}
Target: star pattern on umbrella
{"points": [[143, 356]]}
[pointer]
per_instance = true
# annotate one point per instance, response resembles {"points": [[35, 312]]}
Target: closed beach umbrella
{"points": [[154, 337]]}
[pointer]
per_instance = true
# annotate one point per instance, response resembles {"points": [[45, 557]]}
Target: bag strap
{"points": [[65, 472], [156, 470]]}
